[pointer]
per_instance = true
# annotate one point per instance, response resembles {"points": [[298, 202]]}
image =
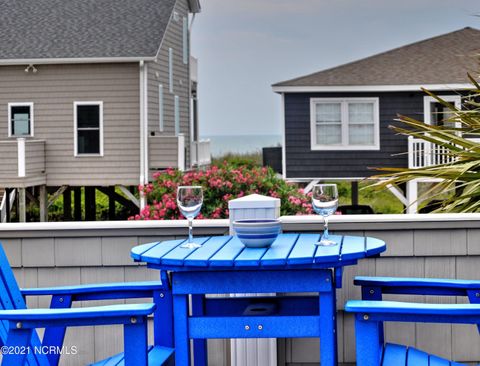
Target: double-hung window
{"points": [[88, 118], [344, 123], [20, 119]]}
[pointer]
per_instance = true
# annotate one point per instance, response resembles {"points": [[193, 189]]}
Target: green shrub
{"points": [[220, 184]]}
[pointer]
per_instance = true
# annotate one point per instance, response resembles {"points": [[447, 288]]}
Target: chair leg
{"points": [[368, 341], [473, 296], [163, 319], [374, 293], [18, 343], [135, 337]]}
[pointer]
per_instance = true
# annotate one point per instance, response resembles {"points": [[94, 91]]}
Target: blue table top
{"points": [[288, 251]]}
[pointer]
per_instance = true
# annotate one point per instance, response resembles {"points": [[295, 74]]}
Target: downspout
{"points": [[284, 138], [192, 144], [143, 142], [145, 124]]}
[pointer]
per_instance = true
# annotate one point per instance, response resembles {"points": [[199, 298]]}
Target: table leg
{"points": [[328, 329], [163, 315], [199, 345], [182, 341]]}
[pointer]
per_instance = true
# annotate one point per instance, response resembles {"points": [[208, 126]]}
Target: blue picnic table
{"points": [[223, 265]]}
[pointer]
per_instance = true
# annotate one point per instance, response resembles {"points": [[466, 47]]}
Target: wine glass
{"points": [[325, 203], [190, 200]]}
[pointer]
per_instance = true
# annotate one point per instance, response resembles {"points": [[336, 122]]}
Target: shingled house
{"points": [[335, 122], [94, 94]]}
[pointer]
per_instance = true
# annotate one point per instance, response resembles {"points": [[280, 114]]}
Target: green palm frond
{"points": [[457, 139]]}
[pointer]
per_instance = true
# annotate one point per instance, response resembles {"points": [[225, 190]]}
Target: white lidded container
{"points": [[253, 206]]}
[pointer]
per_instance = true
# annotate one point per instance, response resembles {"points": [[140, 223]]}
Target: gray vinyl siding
{"points": [[8, 152], [162, 152], [35, 157], [302, 162], [158, 74], [53, 90]]}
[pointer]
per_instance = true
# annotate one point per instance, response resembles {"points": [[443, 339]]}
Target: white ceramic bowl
{"points": [[258, 233]]}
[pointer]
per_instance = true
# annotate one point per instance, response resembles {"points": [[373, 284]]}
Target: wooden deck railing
{"points": [[166, 152], [423, 154], [200, 153]]}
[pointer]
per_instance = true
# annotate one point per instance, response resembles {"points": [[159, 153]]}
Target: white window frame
{"points": [[344, 124], [427, 100], [160, 108], [75, 134], [20, 104]]}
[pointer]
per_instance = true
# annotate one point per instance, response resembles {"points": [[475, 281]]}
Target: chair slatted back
{"points": [[11, 299]]}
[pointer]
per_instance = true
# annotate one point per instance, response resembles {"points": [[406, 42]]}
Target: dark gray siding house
{"points": [[93, 94], [335, 122]]}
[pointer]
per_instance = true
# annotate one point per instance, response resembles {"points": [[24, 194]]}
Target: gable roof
{"points": [[440, 60], [82, 29]]}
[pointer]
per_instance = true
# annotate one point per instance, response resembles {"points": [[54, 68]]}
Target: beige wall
{"points": [[53, 89]]}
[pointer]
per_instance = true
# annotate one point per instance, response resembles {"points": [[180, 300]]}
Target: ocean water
{"points": [[241, 144]]}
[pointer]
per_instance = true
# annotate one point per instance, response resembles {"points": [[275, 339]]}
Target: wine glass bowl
{"points": [[325, 203], [189, 201]]}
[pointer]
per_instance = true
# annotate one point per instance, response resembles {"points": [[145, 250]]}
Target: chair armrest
{"points": [[406, 311], [101, 291], [419, 286], [99, 315]]}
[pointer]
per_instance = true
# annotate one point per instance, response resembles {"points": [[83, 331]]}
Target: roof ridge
{"points": [[376, 55]]}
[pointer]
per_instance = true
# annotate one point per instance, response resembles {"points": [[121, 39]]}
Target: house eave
{"points": [[369, 88], [80, 60]]}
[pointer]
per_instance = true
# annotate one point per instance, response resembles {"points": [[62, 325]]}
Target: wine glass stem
{"points": [[190, 228], [325, 227]]}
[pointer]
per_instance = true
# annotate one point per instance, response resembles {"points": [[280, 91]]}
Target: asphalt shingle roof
{"points": [[44, 29], [445, 59]]}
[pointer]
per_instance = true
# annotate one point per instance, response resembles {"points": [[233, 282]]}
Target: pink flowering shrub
{"points": [[220, 184]]}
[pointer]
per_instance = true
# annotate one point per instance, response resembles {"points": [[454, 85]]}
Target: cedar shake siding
{"points": [[53, 89], [158, 74], [302, 162]]}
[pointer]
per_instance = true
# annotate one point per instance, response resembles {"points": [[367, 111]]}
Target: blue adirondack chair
{"points": [[371, 312], [21, 344]]}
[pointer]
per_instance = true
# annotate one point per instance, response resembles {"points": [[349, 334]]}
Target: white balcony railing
{"points": [[21, 159], [423, 154], [166, 152], [200, 153]]}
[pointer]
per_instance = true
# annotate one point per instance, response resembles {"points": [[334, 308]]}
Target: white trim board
{"points": [[368, 88], [80, 60]]}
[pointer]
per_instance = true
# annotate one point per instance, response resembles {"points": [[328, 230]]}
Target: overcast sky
{"points": [[245, 46]]}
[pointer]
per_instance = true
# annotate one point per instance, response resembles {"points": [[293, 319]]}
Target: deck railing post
{"points": [[21, 156], [411, 152]]}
